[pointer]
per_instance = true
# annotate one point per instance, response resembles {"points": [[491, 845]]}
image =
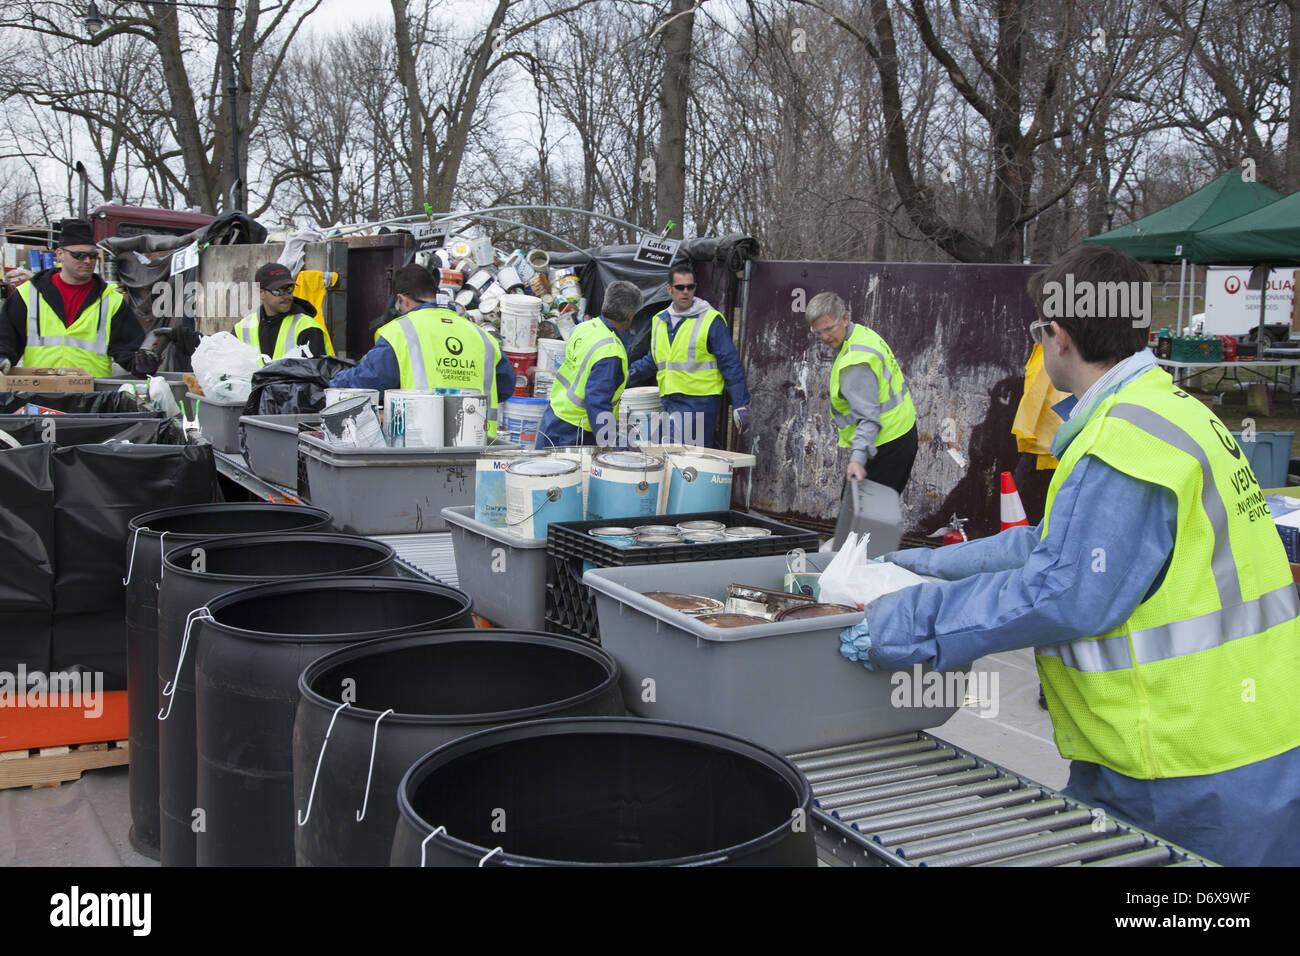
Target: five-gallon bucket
{"points": [[250, 652], [550, 354], [624, 484], [539, 491], [523, 416], [413, 418], [698, 483], [194, 573], [407, 696], [149, 532], [519, 317], [490, 484], [601, 792]]}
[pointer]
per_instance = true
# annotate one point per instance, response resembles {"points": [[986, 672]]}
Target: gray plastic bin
{"points": [[781, 685], [219, 422], [270, 443], [504, 574], [180, 391], [389, 490]]}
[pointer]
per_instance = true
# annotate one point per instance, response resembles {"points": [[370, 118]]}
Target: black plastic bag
{"points": [[70, 402], [293, 386]]}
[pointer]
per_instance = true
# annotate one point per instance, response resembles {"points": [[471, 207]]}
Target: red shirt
{"points": [[74, 297]]}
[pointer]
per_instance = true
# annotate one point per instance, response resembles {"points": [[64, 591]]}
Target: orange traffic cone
{"points": [[1013, 511]]}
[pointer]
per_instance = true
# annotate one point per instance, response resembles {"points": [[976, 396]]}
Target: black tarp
{"points": [[602, 265], [64, 509], [144, 261], [293, 386]]}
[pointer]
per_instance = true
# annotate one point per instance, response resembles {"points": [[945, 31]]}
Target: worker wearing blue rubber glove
{"points": [[855, 642]]}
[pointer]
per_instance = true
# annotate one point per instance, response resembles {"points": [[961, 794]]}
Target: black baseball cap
{"points": [[272, 275], [75, 232]]}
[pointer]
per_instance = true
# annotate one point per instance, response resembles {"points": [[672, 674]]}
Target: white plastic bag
{"points": [[224, 367], [852, 578]]}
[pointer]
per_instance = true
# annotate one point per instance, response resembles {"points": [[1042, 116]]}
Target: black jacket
{"points": [[125, 335], [268, 330]]}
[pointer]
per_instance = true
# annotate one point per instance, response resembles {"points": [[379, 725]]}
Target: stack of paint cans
{"points": [[639, 415], [519, 317]]}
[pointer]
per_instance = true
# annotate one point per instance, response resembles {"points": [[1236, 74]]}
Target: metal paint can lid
{"points": [[664, 529], [543, 466], [703, 537], [727, 619], [612, 532], [701, 526], [747, 531], [658, 539], [686, 603], [627, 460], [814, 610]]}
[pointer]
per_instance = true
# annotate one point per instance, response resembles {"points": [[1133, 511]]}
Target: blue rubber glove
{"points": [[855, 642], [741, 417]]}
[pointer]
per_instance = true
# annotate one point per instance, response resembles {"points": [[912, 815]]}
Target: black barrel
{"points": [[144, 567], [194, 573], [603, 791], [439, 687], [249, 656]]}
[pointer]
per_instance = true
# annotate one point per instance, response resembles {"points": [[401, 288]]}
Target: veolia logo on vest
{"points": [[463, 371]]}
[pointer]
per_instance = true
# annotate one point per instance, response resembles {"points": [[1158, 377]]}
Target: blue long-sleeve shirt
{"points": [[1108, 547], [603, 380], [379, 369], [644, 369]]}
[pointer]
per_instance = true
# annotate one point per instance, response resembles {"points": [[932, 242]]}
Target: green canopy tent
{"points": [[1269, 235], [1168, 235]]}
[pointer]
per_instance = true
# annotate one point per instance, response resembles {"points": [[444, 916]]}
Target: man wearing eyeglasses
{"points": [[692, 358], [283, 320], [69, 317], [1156, 594], [870, 402]]}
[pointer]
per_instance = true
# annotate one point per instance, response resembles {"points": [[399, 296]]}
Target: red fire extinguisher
{"points": [[955, 533]]}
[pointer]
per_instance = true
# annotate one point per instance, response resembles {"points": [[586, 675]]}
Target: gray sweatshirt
{"points": [[861, 389]]}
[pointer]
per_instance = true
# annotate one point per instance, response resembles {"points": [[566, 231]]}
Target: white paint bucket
{"points": [[414, 418], [550, 354], [333, 395], [540, 260], [352, 423], [464, 420], [539, 491], [519, 317], [542, 382], [624, 484], [490, 484], [522, 418], [698, 483]]}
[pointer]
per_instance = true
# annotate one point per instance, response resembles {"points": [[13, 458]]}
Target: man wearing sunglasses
{"points": [[283, 320], [69, 317], [1155, 592], [692, 358]]}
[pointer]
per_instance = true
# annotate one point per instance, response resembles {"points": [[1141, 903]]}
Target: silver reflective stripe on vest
{"points": [[1180, 638], [586, 360], [489, 369], [419, 379], [892, 403], [895, 400], [691, 364], [36, 340], [1222, 564]]}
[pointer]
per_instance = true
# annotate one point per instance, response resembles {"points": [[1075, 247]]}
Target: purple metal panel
{"points": [[372, 260], [959, 332]]}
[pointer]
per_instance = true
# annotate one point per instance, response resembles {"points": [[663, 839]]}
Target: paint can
{"points": [[568, 288], [474, 287], [624, 484], [519, 262], [698, 483], [541, 284], [523, 415], [542, 382], [523, 363], [464, 420], [583, 454], [691, 605], [352, 423], [694, 527], [451, 279], [540, 260], [550, 354], [490, 484], [333, 395], [539, 491], [747, 532], [519, 317], [414, 418], [639, 411]]}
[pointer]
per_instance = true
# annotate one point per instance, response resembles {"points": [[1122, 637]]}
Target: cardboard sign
{"points": [[654, 251], [47, 380], [427, 236]]}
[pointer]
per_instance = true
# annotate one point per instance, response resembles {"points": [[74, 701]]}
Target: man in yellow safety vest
{"points": [[69, 317], [1156, 592], [283, 320], [428, 346]]}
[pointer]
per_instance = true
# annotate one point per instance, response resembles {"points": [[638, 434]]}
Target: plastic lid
{"points": [[543, 466], [528, 401]]}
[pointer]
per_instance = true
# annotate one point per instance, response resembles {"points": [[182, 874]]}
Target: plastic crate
{"points": [[783, 685], [570, 551], [219, 422], [1196, 348], [270, 445], [503, 573], [184, 398]]}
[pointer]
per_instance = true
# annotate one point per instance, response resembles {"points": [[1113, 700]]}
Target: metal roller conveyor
{"points": [[915, 800]]}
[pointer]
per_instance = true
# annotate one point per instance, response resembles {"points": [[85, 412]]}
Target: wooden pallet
{"points": [[52, 766]]}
